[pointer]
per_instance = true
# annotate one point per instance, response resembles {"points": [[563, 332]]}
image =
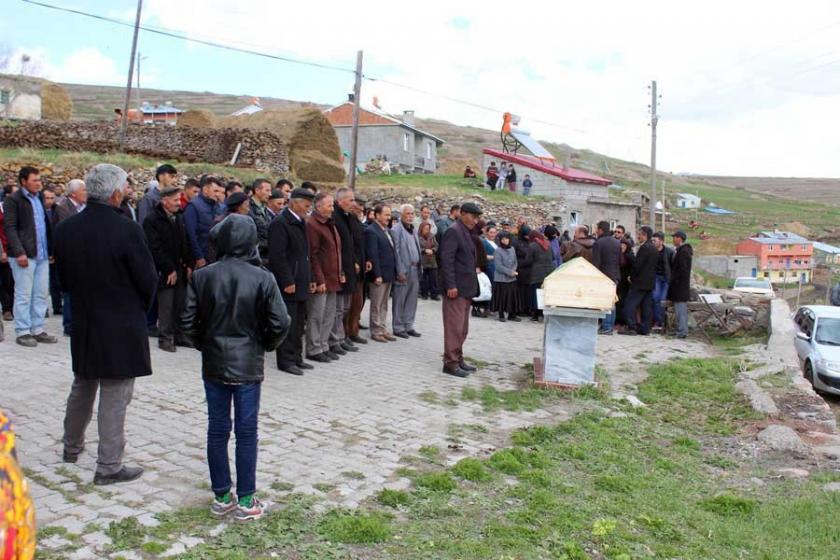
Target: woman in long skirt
{"points": [[505, 290]]}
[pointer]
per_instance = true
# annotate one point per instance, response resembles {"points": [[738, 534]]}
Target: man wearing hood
{"points": [[680, 287], [580, 246], [234, 315]]}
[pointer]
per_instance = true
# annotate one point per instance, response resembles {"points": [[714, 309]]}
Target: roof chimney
{"points": [[408, 118]]}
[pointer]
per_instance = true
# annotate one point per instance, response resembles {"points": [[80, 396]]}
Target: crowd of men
{"points": [[237, 271]]}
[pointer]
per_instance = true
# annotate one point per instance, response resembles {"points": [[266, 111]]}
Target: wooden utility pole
{"points": [[124, 122], [354, 134], [654, 119]]}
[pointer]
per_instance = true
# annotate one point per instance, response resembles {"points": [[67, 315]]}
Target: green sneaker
{"points": [[223, 505]]}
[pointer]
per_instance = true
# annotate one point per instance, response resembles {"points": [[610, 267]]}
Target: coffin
{"points": [[579, 284]]}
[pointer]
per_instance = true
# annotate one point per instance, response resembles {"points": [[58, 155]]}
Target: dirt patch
{"points": [[798, 228]]}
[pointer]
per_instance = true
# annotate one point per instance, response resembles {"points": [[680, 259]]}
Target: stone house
{"points": [[585, 195], [406, 148], [20, 98]]}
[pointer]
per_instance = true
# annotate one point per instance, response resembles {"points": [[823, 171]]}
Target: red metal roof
{"points": [[343, 116], [550, 167]]}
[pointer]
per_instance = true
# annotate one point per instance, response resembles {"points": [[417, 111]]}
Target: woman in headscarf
{"points": [[505, 291], [523, 279], [553, 237], [428, 262], [628, 259], [538, 257]]}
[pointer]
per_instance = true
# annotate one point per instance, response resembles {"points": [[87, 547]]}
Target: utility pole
{"points": [[124, 122], [354, 134], [139, 58], [654, 119]]}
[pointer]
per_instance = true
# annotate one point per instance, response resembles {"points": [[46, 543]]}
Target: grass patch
{"points": [[430, 452], [471, 469], [436, 482], [393, 498], [358, 528], [490, 398], [126, 534], [280, 486], [353, 475], [324, 487], [428, 397], [727, 504]]}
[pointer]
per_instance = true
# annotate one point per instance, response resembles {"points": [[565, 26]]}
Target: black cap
{"points": [[360, 198], [303, 193], [235, 200], [681, 234], [168, 191], [276, 194], [471, 208], [505, 222]]}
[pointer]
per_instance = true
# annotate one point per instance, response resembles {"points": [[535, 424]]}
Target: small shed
{"points": [[688, 200]]}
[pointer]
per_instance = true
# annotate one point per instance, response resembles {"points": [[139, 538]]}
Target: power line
{"points": [[252, 51]]}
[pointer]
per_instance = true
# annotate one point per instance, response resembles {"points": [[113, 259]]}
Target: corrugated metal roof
{"points": [[826, 248], [689, 196], [552, 168], [149, 109], [782, 237]]}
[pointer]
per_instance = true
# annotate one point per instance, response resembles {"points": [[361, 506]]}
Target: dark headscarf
{"points": [[539, 239], [551, 232]]}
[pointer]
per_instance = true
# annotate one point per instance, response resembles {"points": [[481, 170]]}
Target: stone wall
{"points": [[260, 149]]}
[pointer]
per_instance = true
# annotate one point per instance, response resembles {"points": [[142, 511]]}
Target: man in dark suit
{"points": [[170, 248], [288, 259], [459, 282], [352, 261], [642, 282], [107, 268], [357, 300], [73, 202], [379, 251]]}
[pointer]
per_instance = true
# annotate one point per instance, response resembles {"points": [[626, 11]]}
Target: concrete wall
{"points": [[260, 149], [728, 266], [26, 106], [387, 140]]}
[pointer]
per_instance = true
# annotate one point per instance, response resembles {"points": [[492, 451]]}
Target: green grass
{"points": [[450, 184], [393, 498], [353, 527]]}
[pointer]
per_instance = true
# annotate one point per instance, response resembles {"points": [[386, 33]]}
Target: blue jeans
{"points": [[32, 295], [246, 409], [660, 293]]}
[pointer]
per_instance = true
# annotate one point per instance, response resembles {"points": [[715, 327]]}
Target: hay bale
{"points": [[56, 104], [197, 118], [311, 165]]}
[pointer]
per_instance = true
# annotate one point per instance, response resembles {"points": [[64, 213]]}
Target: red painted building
{"points": [[782, 256]]}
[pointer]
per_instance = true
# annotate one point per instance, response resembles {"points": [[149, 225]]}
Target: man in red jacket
{"points": [[328, 276]]}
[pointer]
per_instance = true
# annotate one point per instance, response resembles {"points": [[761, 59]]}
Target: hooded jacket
{"points": [[234, 312], [679, 290]]}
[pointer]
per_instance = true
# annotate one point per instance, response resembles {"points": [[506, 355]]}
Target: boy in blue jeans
{"points": [[234, 314], [526, 185]]}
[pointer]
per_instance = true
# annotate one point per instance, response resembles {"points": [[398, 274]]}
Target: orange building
{"points": [[782, 256]]}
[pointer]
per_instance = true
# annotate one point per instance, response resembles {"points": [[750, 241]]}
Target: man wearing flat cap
{"points": [[680, 286], [173, 255], [288, 259], [459, 282]]}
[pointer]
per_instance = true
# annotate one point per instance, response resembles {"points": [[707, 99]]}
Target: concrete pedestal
{"points": [[569, 345]]}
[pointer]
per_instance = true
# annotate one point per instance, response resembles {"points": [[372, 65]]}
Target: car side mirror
{"points": [[802, 336]]}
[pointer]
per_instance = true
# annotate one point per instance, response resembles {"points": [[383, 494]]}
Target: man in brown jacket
{"points": [[328, 276]]}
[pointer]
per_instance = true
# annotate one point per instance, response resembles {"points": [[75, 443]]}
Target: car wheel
{"points": [[809, 372]]}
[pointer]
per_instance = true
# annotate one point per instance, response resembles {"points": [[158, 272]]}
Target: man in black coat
{"points": [[606, 256], [357, 300], [352, 258], [234, 314], [170, 247], [105, 265], [642, 282], [379, 252], [459, 282], [288, 259], [679, 289]]}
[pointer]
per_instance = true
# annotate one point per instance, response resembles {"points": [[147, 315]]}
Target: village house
{"points": [[585, 195], [826, 255], [157, 115], [20, 98], [728, 266], [782, 256], [406, 148], [687, 200]]}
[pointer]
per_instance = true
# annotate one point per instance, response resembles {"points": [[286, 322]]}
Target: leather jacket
{"points": [[234, 312]]}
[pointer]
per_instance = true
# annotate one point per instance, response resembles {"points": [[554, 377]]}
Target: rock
{"points": [[793, 473], [757, 481], [634, 401], [783, 438], [759, 399], [832, 487]]}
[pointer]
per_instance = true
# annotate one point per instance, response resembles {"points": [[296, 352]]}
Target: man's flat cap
{"points": [[471, 208], [303, 193], [168, 191], [235, 200]]}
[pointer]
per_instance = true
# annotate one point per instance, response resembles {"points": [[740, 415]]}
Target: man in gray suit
{"points": [[407, 284]]}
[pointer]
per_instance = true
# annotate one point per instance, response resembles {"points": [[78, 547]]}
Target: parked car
{"points": [[750, 285], [817, 343]]}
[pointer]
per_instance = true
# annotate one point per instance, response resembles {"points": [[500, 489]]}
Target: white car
{"points": [[750, 285], [817, 342]]}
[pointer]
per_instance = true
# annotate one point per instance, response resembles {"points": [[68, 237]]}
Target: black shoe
{"points": [[294, 370], [607, 332], [628, 332], [338, 350], [304, 365], [44, 338], [166, 345], [515, 319], [154, 332], [401, 334], [184, 343], [455, 371], [323, 358], [331, 355], [126, 474], [69, 457], [348, 347], [358, 340], [467, 367], [435, 298], [413, 333], [502, 319]]}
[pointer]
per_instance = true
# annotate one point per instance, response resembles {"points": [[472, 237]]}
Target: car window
{"points": [[752, 283], [808, 324], [828, 331], [798, 317]]}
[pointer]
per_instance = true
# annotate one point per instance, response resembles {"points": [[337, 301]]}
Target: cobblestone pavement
{"points": [[346, 424]]}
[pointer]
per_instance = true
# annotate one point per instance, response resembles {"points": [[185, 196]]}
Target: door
{"points": [[754, 272]]}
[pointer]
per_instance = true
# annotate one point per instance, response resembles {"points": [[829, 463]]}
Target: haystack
{"points": [[56, 104], [197, 118], [314, 154]]}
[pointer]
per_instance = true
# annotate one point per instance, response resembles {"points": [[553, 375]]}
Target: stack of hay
{"points": [[56, 104], [314, 154]]}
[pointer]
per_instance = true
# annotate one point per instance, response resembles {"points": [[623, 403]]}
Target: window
{"points": [[5, 95], [405, 141], [574, 217], [613, 225], [769, 247], [428, 150]]}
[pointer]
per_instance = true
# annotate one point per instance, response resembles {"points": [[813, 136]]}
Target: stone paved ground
{"points": [[345, 424]]}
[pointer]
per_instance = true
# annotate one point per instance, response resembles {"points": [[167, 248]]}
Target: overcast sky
{"points": [[748, 87]]}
